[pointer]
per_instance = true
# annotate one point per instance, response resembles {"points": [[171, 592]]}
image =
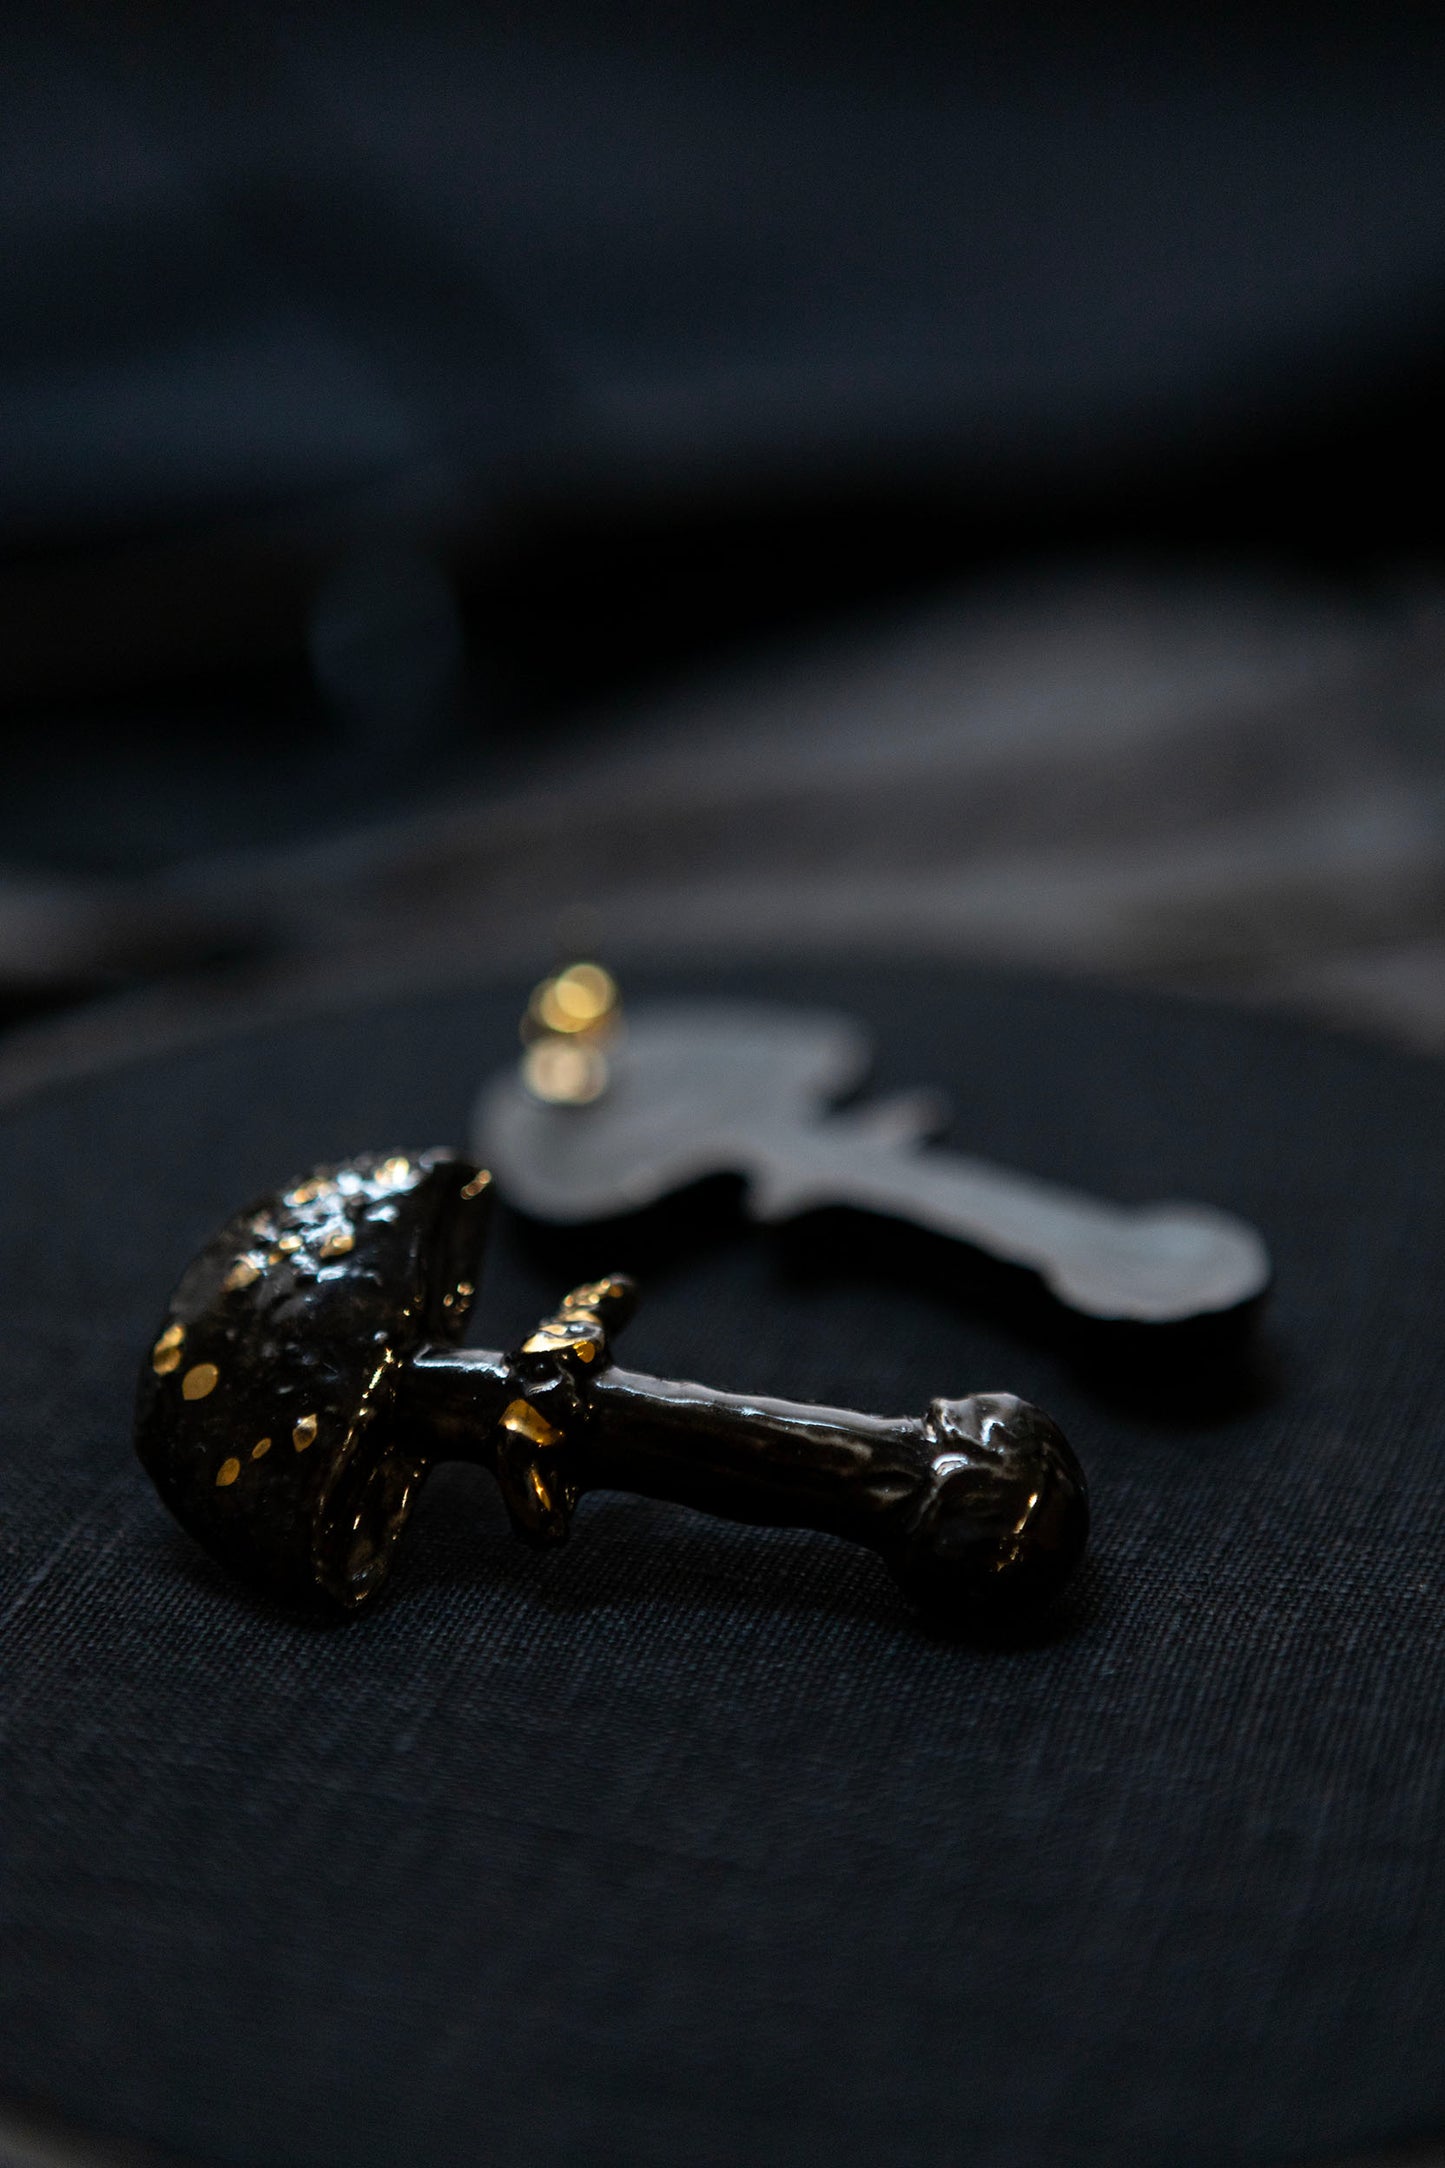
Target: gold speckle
{"points": [[166, 1354], [289, 1245], [241, 1274], [199, 1380], [480, 1180], [465, 1290], [304, 1433], [338, 1242], [260, 1449], [393, 1173], [307, 1192], [525, 1421], [590, 1294], [565, 1336], [227, 1472]]}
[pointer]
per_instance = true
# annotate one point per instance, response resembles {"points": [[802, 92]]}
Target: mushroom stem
{"points": [[978, 1505]]}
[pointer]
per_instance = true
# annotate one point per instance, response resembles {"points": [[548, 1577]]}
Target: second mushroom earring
{"points": [[601, 1122]]}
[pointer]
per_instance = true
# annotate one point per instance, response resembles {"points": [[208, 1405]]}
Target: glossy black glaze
{"points": [[321, 1313], [979, 1505], [307, 1306]]}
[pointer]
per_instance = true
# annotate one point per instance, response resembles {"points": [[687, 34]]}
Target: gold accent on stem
{"points": [[577, 1327], [199, 1380], [525, 1421], [591, 1293], [227, 1472], [565, 1336], [304, 1433]]}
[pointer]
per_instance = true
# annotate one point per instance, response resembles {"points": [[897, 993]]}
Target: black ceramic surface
{"points": [[266, 1415], [682, 1843]]}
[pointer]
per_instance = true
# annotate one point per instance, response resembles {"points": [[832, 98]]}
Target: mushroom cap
{"points": [[265, 1410]]}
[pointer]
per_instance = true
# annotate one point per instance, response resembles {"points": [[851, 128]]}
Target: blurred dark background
{"points": [[753, 481], [482, 483]]}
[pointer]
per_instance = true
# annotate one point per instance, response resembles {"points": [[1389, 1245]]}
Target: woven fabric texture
{"points": [[684, 1845]]}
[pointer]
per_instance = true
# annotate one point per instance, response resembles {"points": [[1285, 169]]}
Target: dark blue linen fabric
{"points": [[685, 1845]]}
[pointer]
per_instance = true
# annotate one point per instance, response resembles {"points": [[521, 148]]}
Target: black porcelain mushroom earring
{"points": [[307, 1377]]}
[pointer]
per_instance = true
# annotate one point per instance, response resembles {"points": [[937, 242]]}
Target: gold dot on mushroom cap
{"points": [[199, 1380], [166, 1354], [260, 1449], [227, 1472], [304, 1433]]}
